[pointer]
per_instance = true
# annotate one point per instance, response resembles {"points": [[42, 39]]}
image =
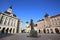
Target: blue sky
{"points": [[31, 9]]}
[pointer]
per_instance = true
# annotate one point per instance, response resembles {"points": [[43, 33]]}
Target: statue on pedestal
{"points": [[33, 33]]}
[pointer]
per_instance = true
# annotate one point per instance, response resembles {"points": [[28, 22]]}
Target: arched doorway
{"points": [[44, 31], [3, 30], [10, 30], [39, 30], [7, 30], [56, 30]]}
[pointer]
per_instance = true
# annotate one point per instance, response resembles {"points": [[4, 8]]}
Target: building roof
{"points": [[14, 15], [55, 16], [10, 7], [10, 13], [7, 12], [50, 17], [40, 20]]}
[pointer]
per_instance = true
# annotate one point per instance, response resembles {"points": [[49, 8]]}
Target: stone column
{"points": [[42, 31], [15, 30], [49, 31], [9, 31], [12, 31], [46, 30], [59, 29], [54, 30]]}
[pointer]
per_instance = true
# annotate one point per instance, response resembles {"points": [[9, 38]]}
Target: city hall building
{"points": [[9, 23], [50, 24]]}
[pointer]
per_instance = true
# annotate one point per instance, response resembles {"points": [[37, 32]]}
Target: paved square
{"points": [[23, 36]]}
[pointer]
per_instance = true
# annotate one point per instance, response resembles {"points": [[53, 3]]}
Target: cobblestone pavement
{"points": [[23, 36]]}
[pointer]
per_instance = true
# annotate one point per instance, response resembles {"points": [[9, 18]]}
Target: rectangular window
{"points": [[5, 21], [1, 20], [15, 22], [52, 21], [12, 22], [9, 21]]}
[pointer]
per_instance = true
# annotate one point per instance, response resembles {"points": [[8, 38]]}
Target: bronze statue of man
{"points": [[32, 25]]}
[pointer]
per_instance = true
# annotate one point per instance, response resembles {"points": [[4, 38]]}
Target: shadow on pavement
{"points": [[35, 37], [5, 35]]}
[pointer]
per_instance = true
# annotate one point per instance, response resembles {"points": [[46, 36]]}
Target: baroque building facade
{"points": [[50, 24], [9, 23]]}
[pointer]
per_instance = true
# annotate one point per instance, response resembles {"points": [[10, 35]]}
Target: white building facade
{"points": [[9, 22]]}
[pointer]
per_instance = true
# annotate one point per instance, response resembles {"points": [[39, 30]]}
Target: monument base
{"points": [[33, 33]]}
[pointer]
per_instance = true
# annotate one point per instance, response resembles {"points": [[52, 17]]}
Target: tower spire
{"points": [[9, 9]]}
